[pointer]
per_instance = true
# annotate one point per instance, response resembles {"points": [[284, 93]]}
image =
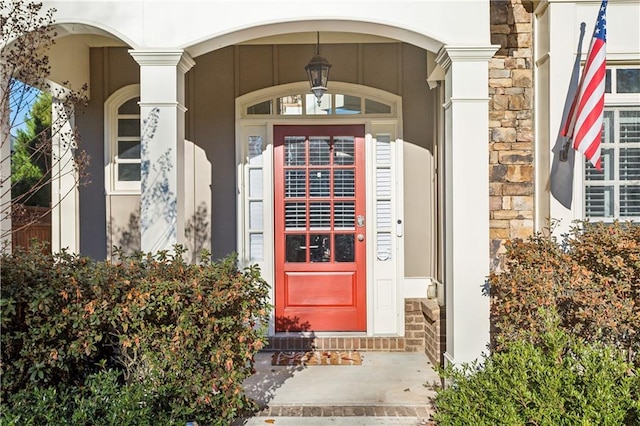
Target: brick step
{"points": [[385, 344]]}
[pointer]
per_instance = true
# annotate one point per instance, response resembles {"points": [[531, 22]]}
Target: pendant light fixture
{"points": [[318, 72]]}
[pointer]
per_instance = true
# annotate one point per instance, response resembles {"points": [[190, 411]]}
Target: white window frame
{"points": [[613, 102], [111, 117]]}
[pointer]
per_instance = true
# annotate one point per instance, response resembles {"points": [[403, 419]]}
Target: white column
{"points": [[64, 180], [466, 151], [162, 120]]}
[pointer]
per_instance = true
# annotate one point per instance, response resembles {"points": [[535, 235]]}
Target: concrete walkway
{"points": [[389, 388]]}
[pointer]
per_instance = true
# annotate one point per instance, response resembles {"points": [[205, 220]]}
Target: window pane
{"points": [[343, 150], [255, 215], [295, 215], [629, 201], [319, 152], [319, 183], [294, 151], [261, 108], [129, 127], [256, 247], [129, 172], [345, 248], [312, 104], [296, 248], [629, 126], [373, 107], [319, 215], [130, 107], [630, 164], [344, 216], [344, 184], [295, 183], [255, 149], [608, 126], [607, 81], [290, 105], [129, 149], [320, 248], [608, 167], [599, 201], [628, 80], [255, 182], [346, 104]]}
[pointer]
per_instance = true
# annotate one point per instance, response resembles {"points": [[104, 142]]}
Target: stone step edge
{"points": [[420, 411]]}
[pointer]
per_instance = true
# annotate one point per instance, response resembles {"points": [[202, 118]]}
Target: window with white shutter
{"points": [[614, 192]]}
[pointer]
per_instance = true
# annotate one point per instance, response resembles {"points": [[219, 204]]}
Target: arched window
{"points": [[122, 141]]}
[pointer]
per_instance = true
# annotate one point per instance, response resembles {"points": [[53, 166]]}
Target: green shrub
{"points": [[558, 381], [182, 335], [591, 277]]}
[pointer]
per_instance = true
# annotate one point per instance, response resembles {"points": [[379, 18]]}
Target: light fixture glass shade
{"points": [[318, 74]]}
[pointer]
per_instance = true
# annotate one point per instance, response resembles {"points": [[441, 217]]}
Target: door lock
{"points": [[360, 237]]}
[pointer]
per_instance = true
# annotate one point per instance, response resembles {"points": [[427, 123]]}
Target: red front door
{"points": [[320, 228]]}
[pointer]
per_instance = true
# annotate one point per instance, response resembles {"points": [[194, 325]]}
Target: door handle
{"points": [[360, 237]]}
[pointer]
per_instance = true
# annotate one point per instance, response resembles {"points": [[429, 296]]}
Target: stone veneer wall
{"points": [[511, 125]]}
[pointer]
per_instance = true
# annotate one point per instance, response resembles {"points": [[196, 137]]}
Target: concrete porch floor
{"points": [[389, 388]]}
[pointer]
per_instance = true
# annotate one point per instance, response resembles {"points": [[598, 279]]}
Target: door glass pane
{"points": [[320, 248], [343, 148], [295, 183], [319, 183], [294, 151], [345, 248], [296, 248], [295, 215], [319, 152], [344, 184], [319, 215], [344, 215]]}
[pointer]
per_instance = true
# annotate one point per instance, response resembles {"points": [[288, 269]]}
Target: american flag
{"points": [[584, 123]]}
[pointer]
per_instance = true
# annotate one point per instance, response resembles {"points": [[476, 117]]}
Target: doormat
{"points": [[316, 358]]}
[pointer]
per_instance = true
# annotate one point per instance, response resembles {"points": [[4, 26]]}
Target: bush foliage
{"points": [[566, 335], [560, 380], [591, 277], [146, 337]]}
